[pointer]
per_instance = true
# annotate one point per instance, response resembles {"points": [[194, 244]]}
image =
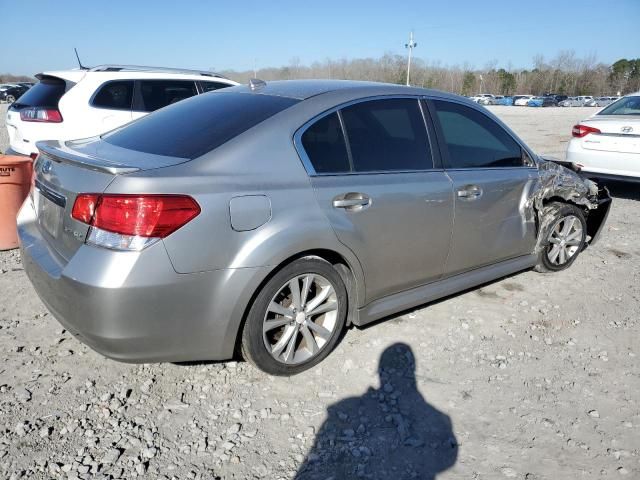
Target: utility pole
{"points": [[411, 45]]}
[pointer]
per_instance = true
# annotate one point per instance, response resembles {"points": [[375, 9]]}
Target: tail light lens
{"points": [[580, 131], [40, 114], [132, 222]]}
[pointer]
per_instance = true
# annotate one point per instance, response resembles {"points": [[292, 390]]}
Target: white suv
{"points": [[72, 104]]}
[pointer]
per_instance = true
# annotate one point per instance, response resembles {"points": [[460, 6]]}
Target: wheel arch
{"points": [[349, 270]]}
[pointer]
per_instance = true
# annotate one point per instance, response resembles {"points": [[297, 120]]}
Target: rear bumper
{"points": [[133, 306]]}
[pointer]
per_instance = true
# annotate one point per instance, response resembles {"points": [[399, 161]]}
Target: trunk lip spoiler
{"points": [[66, 155]]}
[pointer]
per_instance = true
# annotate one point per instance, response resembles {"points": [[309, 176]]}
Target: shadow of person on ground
{"points": [[387, 433]]}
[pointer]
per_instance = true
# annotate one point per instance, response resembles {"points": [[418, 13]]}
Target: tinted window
{"points": [[624, 106], [209, 86], [325, 145], [386, 135], [197, 125], [160, 93], [45, 93], [474, 140], [114, 95]]}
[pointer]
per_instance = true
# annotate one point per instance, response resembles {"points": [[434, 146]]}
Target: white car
{"points": [[482, 98], [522, 100], [73, 104], [607, 144]]}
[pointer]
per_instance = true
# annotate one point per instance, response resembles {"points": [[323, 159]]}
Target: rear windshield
{"points": [[46, 93], [193, 127], [624, 106]]}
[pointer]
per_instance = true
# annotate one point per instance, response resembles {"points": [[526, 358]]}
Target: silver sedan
{"points": [[266, 218]]}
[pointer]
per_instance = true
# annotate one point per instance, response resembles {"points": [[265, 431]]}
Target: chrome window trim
{"points": [[306, 161]]}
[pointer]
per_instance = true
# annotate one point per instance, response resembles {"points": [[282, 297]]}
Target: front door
{"points": [[491, 176]]}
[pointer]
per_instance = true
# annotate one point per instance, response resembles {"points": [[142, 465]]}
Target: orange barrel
{"points": [[15, 182]]}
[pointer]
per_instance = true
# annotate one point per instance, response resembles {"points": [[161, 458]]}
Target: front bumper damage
{"points": [[559, 181]]}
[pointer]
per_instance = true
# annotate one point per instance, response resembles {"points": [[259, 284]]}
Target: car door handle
{"points": [[352, 201], [470, 192]]}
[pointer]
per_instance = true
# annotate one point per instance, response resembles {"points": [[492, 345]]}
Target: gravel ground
{"points": [[530, 377]]}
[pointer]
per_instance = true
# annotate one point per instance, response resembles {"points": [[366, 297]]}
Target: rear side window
{"points": [[46, 93], [474, 140], [197, 125], [160, 93], [115, 95], [325, 146], [210, 86], [387, 135]]}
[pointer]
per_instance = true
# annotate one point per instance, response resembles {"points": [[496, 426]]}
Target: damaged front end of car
{"points": [[560, 181]]}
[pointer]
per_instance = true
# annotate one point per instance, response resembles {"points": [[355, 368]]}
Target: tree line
{"points": [[565, 74]]}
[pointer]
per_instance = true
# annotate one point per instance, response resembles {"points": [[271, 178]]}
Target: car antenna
{"points": [[82, 67]]}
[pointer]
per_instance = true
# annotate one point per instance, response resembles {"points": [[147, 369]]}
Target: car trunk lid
{"points": [[64, 170], [620, 134]]}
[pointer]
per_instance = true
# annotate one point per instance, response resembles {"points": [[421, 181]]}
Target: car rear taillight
{"points": [[40, 114], [580, 131], [132, 222]]}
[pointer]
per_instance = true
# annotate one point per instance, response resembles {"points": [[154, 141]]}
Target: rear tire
{"points": [[296, 318], [10, 99], [565, 237]]}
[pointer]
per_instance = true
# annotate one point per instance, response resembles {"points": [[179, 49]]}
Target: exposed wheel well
{"points": [[330, 256]]}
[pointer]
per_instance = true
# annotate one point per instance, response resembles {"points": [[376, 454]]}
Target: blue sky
{"points": [[235, 34]]}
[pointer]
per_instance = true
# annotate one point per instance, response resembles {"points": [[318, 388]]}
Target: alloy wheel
{"points": [[565, 240], [300, 319]]}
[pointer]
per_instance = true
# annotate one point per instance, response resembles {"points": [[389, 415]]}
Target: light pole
{"points": [[411, 45]]}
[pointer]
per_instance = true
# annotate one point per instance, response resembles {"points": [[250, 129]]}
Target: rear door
{"points": [[382, 189], [491, 177]]}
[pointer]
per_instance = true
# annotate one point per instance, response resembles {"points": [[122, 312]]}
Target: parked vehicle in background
{"points": [[11, 93], [583, 99], [506, 100], [542, 102], [607, 144], [483, 98], [601, 101], [74, 104], [315, 193], [570, 102], [556, 97], [521, 100]]}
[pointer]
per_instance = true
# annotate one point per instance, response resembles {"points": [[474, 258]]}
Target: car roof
{"points": [[304, 89]]}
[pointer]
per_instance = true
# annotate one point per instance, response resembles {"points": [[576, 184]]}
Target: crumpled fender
{"points": [[558, 181]]}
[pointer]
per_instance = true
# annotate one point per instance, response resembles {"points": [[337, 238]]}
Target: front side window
{"points": [[387, 135], [114, 95], [325, 146], [473, 140], [160, 93]]}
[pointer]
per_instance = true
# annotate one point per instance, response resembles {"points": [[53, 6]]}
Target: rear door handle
{"points": [[352, 201], [470, 192]]}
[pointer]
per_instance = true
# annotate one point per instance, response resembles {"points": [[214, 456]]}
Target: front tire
{"points": [[10, 99], [296, 318], [565, 237]]}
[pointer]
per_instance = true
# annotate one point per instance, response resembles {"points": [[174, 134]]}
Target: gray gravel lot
{"points": [[530, 377]]}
